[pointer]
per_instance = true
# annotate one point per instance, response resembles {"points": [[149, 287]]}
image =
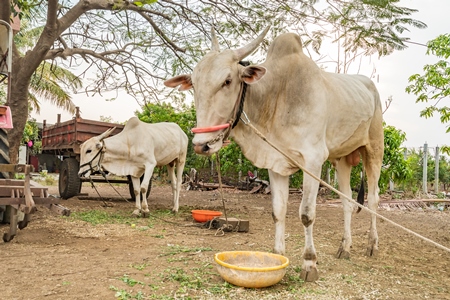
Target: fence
{"points": [[437, 156]]}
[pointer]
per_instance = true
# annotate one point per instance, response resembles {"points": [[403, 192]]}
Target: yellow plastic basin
{"points": [[251, 269]]}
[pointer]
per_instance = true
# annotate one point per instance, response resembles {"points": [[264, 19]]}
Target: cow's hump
{"points": [[132, 123], [285, 44]]}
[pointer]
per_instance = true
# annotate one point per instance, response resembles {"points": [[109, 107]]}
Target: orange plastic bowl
{"points": [[205, 215]]}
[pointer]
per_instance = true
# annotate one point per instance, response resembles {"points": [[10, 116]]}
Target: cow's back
{"points": [[139, 141], [353, 105]]}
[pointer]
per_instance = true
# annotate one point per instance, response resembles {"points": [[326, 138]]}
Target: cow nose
{"points": [[205, 148], [201, 149]]}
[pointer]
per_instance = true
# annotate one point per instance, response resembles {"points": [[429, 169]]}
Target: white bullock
{"points": [[311, 114], [136, 151]]}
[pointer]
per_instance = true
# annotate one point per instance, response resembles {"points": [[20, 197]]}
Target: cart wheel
{"points": [[69, 182], [130, 186]]}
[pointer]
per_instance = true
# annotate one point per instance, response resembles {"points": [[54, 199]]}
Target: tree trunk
{"points": [[19, 110], [22, 69], [4, 10], [18, 98]]}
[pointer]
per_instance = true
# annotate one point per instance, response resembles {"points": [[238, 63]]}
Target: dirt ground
{"points": [[167, 257]]}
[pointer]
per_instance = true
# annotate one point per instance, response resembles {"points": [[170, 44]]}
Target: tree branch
{"points": [[160, 32]]}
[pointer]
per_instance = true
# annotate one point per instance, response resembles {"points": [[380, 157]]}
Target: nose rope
{"points": [[221, 136]]}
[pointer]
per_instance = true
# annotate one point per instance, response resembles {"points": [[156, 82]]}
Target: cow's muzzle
{"points": [[211, 146], [201, 148]]}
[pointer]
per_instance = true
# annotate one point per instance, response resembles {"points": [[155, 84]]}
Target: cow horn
{"points": [[106, 133], [246, 50], [214, 43]]}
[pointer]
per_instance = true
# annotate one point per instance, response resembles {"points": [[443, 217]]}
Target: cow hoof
{"points": [[371, 251], [146, 214], [136, 214], [342, 253], [309, 276]]}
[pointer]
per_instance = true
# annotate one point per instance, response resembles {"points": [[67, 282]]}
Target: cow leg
{"points": [[180, 168], [173, 183], [279, 188], [136, 182], [143, 189], [308, 216], [372, 160], [343, 169]]}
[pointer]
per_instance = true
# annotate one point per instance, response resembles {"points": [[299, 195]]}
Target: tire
{"points": [[4, 151], [69, 182], [130, 186], [4, 159]]}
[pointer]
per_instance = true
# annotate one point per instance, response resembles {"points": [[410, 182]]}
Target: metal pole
{"points": [[4, 154], [328, 176], [8, 59], [212, 166], [240, 167], [425, 170], [436, 171]]}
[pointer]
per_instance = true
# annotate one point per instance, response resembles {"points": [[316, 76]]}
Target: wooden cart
{"points": [[18, 199]]}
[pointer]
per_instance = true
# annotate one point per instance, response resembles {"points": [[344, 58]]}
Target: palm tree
{"points": [[49, 81]]}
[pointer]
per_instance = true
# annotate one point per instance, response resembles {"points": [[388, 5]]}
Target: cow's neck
{"points": [[260, 107], [260, 104], [110, 148]]}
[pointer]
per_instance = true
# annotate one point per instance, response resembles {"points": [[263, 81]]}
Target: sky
{"points": [[391, 79], [395, 69]]}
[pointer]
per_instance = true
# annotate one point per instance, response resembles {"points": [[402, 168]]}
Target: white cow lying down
{"points": [[136, 151]]}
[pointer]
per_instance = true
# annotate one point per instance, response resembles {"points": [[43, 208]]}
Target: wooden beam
{"points": [[16, 168], [37, 201]]}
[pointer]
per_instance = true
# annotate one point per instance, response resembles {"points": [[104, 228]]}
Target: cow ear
{"points": [[252, 74], [184, 81]]}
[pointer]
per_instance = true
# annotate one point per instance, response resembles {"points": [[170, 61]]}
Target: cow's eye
{"points": [[88, 151], [227, 82]]}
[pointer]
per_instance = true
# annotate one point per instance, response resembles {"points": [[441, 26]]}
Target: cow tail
{"points": [[361, 192]]}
